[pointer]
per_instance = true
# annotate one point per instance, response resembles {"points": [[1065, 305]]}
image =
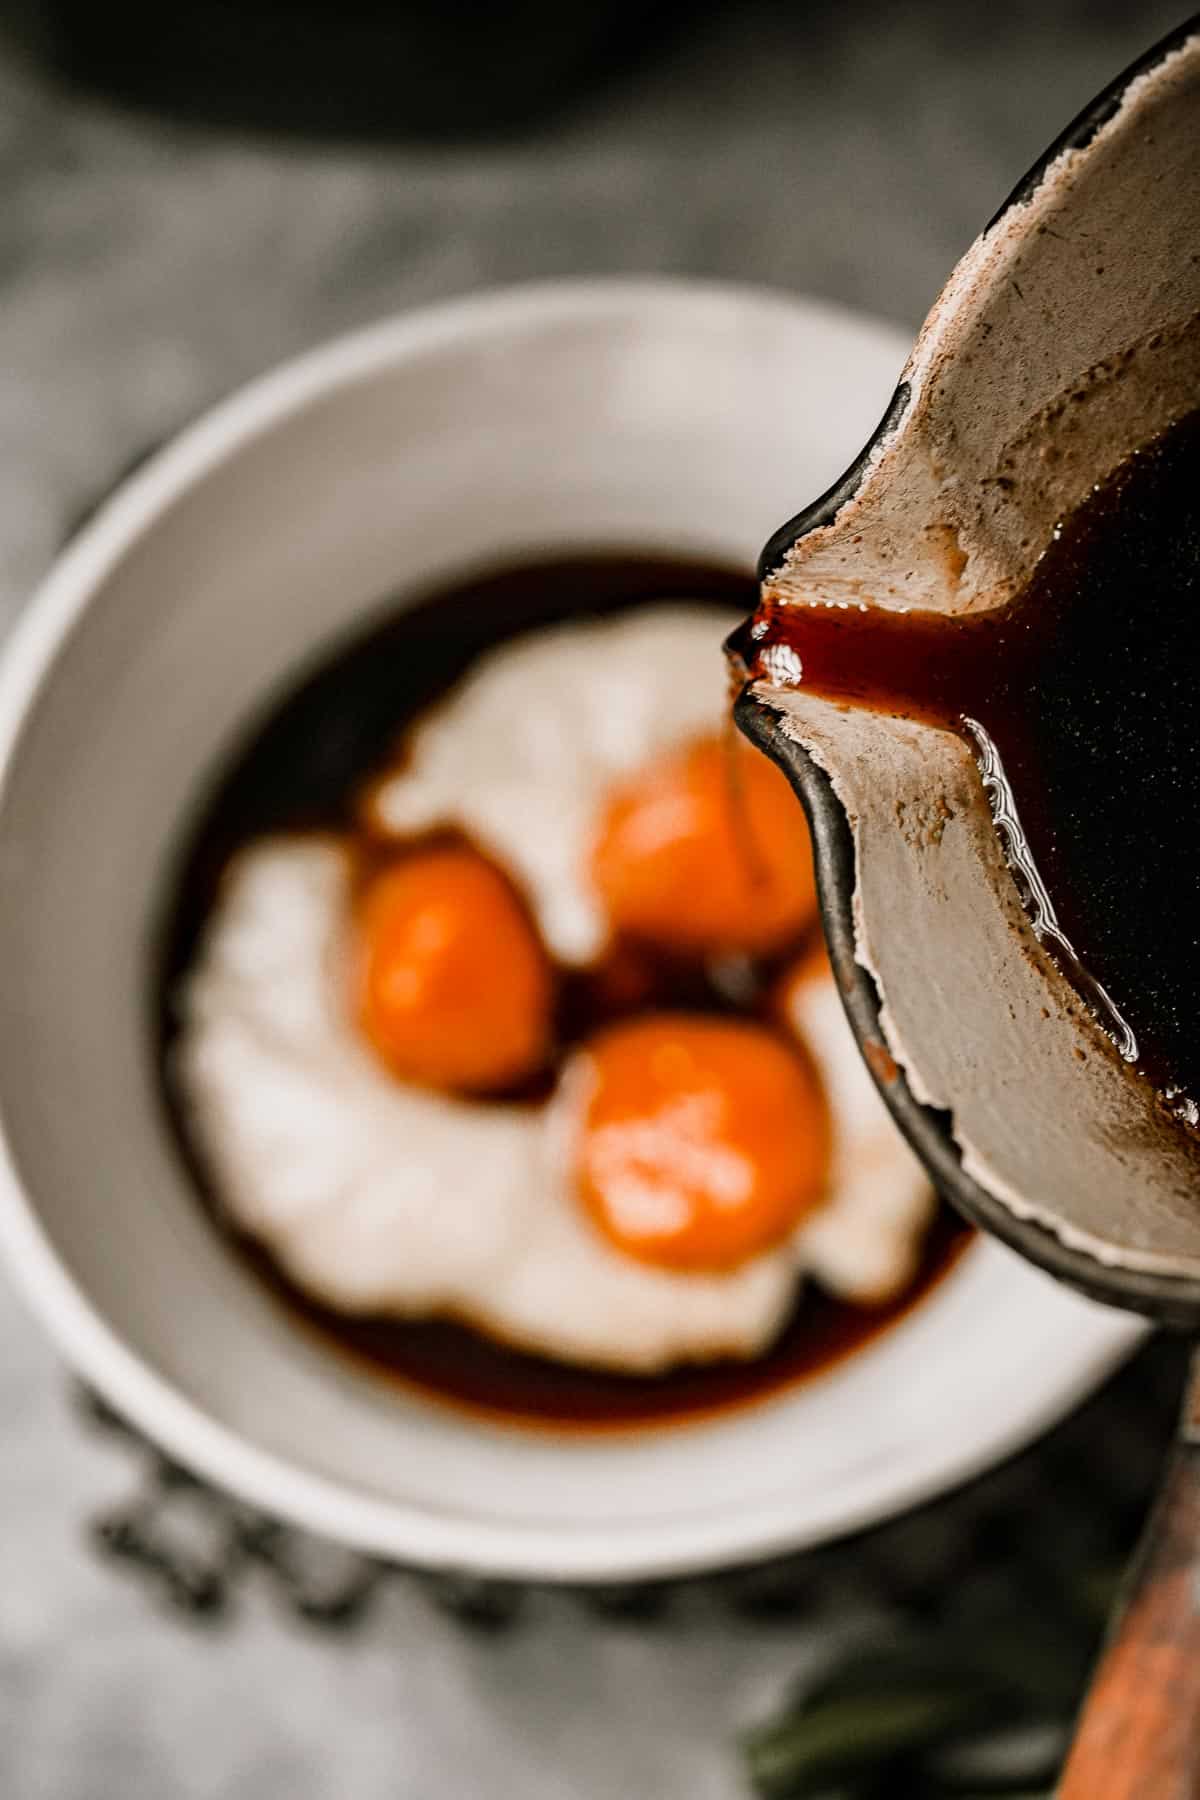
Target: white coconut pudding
{"points": [[538, 1036]]}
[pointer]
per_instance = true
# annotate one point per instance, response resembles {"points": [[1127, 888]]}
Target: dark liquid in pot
{"points": [[299, 771], [1088, 685]]}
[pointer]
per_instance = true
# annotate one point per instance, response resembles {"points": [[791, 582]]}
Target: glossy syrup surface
{"points": [[1087, 689], [301, 770], [461, 1365]]}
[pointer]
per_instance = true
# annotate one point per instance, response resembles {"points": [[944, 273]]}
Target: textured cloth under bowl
{"points": [[1070, 1505]]}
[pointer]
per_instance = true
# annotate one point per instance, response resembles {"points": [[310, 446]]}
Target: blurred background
{"points": [[190, 193]]}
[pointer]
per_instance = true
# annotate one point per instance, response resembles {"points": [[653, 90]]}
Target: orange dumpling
{"points": [[701, 1141], [706, 851], [453, 987]]}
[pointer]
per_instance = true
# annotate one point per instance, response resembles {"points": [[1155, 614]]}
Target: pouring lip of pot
{"points": [[1172, 1299]]}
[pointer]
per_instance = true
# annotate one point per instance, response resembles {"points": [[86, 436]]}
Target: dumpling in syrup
{"points": [[704, 849]]}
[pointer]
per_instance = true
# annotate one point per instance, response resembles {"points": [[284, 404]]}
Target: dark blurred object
{"points": [[980, 1703], [347, 68]]}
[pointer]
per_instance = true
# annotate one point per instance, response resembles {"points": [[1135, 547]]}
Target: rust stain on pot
{"points": [[880, 1061]]}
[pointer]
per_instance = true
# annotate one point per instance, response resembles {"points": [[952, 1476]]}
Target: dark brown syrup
{"points": [[300, 769], [438, 1356], [1087, 688]]}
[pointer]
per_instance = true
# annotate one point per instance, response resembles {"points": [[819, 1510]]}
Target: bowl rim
{"points": [[384, 1527]]}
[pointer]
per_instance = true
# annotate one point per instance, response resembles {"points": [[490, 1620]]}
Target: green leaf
{"points": [[1009, 1759], [840, 1739]]}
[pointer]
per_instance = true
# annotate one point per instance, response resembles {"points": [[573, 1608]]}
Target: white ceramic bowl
{"points": [[651, 414]]}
